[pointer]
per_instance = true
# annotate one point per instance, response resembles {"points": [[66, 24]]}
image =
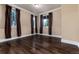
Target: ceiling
{"points": [[42, 7]]}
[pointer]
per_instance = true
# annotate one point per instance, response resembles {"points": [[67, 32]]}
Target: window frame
{"points": [[45, 18]]}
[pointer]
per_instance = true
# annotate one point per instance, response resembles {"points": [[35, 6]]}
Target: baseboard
{"points": [[70, 42], [62, 39], [14, 38], [50, 35]]}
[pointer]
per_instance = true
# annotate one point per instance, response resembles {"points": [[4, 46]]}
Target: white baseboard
{"points": [[70, 42], [4, 40], [14, 38], [51, 35], [62, 40]]}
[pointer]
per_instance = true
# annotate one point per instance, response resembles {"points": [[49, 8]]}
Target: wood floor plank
{"points": [[37, 44]]}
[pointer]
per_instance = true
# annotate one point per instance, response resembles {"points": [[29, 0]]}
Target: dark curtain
{"points": [[32, 29], [36, 29], [18, 22], [50, 23], [41, 24], [8, 22]]}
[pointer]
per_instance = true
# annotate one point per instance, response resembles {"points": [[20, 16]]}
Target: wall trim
{"points": [[15, 38], [50, 35], [70, 42]]}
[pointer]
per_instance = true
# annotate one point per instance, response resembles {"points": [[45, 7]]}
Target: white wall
{"points": [[56, 26], [2, 20], [25, 22], [70, 22]]}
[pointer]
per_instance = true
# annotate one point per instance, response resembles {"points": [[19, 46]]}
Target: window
{"points": [[45, 21], [33, 21], [13, 17]]}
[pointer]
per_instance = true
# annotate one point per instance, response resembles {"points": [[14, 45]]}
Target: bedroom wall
{"points": [[70, 22], [56, 26], [25, 22], [2, 20]]}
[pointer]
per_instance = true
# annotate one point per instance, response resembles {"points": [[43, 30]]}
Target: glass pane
{"points": [[13, 17], [45, 22], [34, 21]]}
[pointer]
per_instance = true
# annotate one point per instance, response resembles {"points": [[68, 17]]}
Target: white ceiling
{"points": [[42, 7]]}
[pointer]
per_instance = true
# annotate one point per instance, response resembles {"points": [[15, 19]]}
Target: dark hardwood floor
{"points": [[37, 44]]}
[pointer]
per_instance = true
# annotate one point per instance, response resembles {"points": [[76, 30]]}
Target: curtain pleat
{"points": [[18, 22], [32, 29], [50, 23], [36, 29], [41, 24], [8, 22]]}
